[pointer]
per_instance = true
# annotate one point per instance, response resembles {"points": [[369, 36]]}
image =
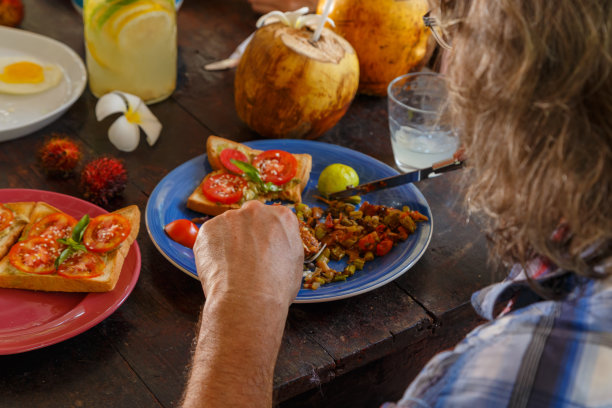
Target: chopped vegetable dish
{"points": [[355, 235]]}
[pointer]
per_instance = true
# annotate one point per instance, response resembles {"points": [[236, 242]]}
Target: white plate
{"points": [[24, 114]]}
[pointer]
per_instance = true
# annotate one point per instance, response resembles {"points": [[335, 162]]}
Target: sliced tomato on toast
{"points": [[276, 166], [226, 157], [81, 265], [224, 188], [35, 255], [53, 226], [6, 217], [106, 232]]}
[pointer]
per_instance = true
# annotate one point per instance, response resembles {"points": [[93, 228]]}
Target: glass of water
{"points": [[419, 134]]}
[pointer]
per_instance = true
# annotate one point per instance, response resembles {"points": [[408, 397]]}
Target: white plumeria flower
{"points": [[295, 19], [124, 133]]}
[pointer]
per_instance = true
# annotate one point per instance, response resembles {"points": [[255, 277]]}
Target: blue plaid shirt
{"points": [[537, 353]]}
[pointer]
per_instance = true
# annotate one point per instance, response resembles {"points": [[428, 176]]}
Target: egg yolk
{"points": [[23, 73]]}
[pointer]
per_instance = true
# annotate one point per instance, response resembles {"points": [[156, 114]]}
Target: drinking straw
{"points": [[326, 10]]}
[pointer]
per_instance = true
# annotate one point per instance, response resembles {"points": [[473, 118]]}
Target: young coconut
{"points": [[389, 36], [290, 86]]}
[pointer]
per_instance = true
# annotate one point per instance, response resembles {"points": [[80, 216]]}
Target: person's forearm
{"points": [[236, 353]]}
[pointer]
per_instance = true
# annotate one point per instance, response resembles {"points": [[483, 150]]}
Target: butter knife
{"points": [[394, 181]]}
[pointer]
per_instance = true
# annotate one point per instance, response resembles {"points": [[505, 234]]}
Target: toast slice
{"points": [[11, 277], [21, 217], [214, 146]]}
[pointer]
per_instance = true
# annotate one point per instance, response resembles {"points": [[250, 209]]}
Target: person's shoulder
{"points": [[539, 352]]}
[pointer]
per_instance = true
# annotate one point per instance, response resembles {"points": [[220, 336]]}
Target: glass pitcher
{"points": [[131, 47]]}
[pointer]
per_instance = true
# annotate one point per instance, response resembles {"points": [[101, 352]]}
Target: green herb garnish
{"points": [[73, 242], [253, 174]]}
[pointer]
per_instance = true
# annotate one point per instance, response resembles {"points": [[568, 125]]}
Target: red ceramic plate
{"points": [[30, 320]]}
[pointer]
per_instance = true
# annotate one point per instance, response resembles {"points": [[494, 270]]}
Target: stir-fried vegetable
{"points": [[358, 236]]}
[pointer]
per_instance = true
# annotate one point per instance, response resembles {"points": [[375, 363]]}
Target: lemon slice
{"points": [[121, 17], [145, 27]]}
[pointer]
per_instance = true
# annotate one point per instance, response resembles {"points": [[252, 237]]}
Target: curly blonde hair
{"points": [[530, 90]]}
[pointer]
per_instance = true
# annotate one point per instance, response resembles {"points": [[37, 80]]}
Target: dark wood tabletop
{"points": [[359, 351]]}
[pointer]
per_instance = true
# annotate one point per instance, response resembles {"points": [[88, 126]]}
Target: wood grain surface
{"points": [[355, 352]]}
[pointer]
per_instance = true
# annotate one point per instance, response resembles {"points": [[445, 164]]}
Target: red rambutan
{"points": [[102, 179], [59, 155], [11, 12]]}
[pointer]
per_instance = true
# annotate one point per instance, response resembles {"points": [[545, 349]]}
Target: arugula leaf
{"points": [[253, 174], [79, 228], [73, 242], [63, 256], [249, 170]]}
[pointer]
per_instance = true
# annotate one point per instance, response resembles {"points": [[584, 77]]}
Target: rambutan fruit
{"points": [[59, 155], [11, 12], [103, 179]]}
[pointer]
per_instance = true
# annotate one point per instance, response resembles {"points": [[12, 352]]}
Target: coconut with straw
{"points": [[296, 79]]}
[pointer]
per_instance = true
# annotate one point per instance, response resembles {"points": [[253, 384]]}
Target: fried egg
{"points": [[22, 76]]}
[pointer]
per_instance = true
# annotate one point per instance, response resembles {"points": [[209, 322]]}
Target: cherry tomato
{"points": [[53, 226], [182, 231], [224, 188], [6, 217], [35, 255], [276, 166], [227, 155], [383, 247], [106, 232], [81, 265]]}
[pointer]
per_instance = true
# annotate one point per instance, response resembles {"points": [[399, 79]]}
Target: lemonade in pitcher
{"points": [[131, 47]]}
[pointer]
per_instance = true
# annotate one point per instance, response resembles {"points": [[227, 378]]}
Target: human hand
{"points": [[252, 253], [265, 6]]}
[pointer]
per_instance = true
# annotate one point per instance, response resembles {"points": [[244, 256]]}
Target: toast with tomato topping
{"points": [[218, 190], [13, 219], [30, 263]]}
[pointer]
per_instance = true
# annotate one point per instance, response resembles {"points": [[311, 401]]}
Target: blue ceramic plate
{"points": [[168, 203]]}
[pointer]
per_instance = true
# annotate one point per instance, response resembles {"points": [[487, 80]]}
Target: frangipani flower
{"points": [[295, 19], [124, 133]]}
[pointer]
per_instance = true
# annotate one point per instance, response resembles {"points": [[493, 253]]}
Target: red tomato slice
{"points": [[6, 217], [182, 231], [276, 166], [81, 265], [227, 155], [35, 255], [54, 226], [224, 188], [106, 232]]}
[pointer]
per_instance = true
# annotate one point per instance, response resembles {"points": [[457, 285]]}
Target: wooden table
{"points": [[359, 351]]}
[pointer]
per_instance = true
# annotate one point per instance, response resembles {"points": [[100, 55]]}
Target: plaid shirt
{"points": [[537, 353]]}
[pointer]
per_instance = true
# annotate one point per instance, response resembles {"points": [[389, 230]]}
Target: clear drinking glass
{"points": [[419, 135], [131, 47]]}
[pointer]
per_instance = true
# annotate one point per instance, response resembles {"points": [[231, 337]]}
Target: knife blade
{"points": [[444, 166]]}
